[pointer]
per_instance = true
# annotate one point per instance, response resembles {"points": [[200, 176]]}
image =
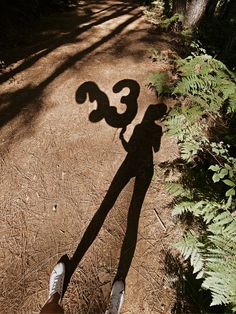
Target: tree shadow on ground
{"points": [[146, 35], [22, 104], [190, 297], [53, 35], [28, 100], [137, 164]]}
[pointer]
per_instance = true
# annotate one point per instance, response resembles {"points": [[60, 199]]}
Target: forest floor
{"points": [[58, 161]]}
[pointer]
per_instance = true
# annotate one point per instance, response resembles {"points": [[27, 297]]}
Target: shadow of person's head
{"points": [[155, 112]]}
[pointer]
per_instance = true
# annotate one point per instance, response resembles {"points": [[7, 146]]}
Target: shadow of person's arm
{"points": [[123, 141], [157, 139]]}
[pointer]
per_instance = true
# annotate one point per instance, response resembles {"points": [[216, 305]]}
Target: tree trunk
{"points": [[179, 6], [195, 12], [227, 14], [227, 9], [167, 10], [211, 7], [230, 43]]}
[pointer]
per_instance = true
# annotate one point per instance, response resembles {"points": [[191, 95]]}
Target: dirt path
{"points": [[57, 163]]}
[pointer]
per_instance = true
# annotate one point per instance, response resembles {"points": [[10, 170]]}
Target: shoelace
{"points": [[57, 284]]}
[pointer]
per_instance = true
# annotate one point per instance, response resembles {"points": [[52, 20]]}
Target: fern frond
{"points": [[191, 247], [208, 210], [208, 82], [224, 223], [189, 149], [195, 85], [161, 81], [217, 284], [206, 93], [232, 104], [182, 208], [221, 281], [177, 189], [203, 64]]}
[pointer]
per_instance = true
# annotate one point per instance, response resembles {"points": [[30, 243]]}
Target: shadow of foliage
{"points": [[190, 297]]}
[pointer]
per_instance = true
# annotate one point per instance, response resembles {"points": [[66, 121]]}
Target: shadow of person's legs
{"points": [[120, 180], [141, 186]]}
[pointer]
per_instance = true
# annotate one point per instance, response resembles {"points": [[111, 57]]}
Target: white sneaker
{"points": [[116, 297], [57, 280]]}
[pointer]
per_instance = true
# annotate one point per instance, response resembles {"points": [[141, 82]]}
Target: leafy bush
{"points": [[156, 14], [205, 93]]}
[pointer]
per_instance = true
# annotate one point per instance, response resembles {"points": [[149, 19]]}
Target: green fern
{"points": [[207, 79], [220, 275], [183, 207], [232, 104], [162, 82], [213, 260], [191, 247], [224, 223], [203, 64], [205, 209], [205, 92], [176, 189], [195, 84], [207, 86], [221, 284], [213, 256], [172, 22], [185, 125]]}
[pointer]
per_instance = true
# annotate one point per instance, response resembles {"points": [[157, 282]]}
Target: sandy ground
{"points": [[57, 164]]}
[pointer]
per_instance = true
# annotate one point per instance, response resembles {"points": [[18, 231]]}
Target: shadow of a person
{"points": [[139, 164]]}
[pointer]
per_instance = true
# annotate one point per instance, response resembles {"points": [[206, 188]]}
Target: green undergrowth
{"points": [[156, 13], [203, 121]]}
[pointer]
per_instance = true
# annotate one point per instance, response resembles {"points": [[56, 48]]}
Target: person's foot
{"points": [[57, 280], [116, 297]]}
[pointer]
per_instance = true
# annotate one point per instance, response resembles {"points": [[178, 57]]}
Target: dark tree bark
{"points": [[211, 7], [167, 10], [179, 6], [195, 11], [227, 9], [228, 13]]}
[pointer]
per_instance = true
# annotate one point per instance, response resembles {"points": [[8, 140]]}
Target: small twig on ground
{"points": [[160, 221]]}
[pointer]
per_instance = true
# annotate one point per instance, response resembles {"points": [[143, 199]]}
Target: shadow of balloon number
{"points": [[104, 110]]}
